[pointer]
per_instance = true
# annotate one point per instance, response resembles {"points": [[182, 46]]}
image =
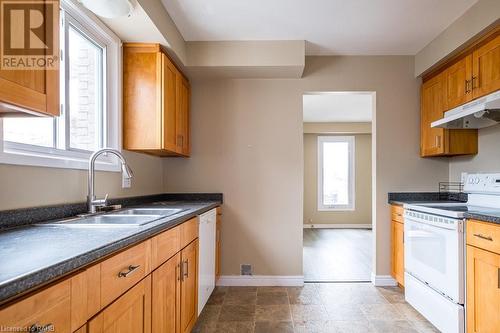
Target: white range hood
{"points": [[482, 112]]}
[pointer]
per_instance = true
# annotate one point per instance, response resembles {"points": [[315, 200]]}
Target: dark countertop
{"points": [[35, 255], [401, 198]]}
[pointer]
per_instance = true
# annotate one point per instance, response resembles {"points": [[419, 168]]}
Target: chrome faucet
{"points": [[92, 202]]}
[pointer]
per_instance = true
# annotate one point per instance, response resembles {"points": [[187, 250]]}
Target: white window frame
{"points": [[352, 177], [32, 155]]}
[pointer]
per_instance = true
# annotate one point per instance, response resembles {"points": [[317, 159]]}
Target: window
{"points": [[89, 120], [336, 173]]}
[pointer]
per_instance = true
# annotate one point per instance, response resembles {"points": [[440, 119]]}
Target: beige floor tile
{"points": [[386, 312], [240, 298], [351, 326], [235, 327], [393, 294], [263, 290], [303, 313], [316, 326], [272, 298], [424, 327], [274, 327], [344, 312], [409, 312], [397, 326], [273, 313], [237, 313]]}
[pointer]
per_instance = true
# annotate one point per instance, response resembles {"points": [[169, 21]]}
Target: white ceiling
{"points": [[340, 27], [337, 107]]}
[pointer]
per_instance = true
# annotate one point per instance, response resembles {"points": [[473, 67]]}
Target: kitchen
{"points": [[245, 130]]}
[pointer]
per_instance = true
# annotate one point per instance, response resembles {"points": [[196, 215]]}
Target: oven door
{"points": [[434, 254]]}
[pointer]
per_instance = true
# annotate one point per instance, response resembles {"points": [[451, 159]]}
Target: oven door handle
{"points": [[433, 225]]}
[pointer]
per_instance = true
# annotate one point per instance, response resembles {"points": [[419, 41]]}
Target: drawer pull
{"points": [[131, 269], [488, 238], [39, 328]]}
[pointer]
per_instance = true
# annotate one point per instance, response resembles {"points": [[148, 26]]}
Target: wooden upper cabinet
{"points": [[458, 83], [182, 113], [155, 102], [440, 141], [31, 91], [432, 109], [486, 68]]}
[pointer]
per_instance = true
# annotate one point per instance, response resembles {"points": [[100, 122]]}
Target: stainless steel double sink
{"points": [[133, 217]]}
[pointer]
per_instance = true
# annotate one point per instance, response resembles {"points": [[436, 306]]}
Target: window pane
{"points": [[85, 98], [335, 173], [30, 130]]}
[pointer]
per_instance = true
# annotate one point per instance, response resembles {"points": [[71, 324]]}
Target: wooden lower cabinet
{"points": [[397, 252], [483, 291], [129, 313], [166, 297], [189, 286]]}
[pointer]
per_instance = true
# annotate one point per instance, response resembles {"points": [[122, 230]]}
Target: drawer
{"points": [[45, 309], [483, 235], [164, 246], [123, 270], [189, 232], [397, 213]]}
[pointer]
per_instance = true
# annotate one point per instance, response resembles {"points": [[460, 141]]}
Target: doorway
{"points": [[338, 238]]}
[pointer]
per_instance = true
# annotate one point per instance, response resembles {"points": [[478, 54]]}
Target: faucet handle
{"points": [[105, 200]]}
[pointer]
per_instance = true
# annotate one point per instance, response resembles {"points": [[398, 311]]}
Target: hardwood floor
{"points": [[337, 255]]}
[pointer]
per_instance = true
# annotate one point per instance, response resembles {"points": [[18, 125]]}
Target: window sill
{"points": [[340, 209], [59, 159]]}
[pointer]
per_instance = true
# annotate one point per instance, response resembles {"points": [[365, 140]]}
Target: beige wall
{"points": [[362, 213], [480, 16], [338, 128], [487, 160], [247, 143], [22, 186]]}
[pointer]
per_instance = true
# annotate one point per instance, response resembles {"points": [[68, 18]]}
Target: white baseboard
{"points": [[261, 280], [337, 226], [383, 281]]}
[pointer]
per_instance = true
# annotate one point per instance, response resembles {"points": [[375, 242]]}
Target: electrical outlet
{"points": [[126, 182], [246, 269]]}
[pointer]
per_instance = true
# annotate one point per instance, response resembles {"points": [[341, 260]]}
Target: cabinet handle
{"points": [[438, 141], [185, 269], [474, 78], [131, 269], [178, 269], [498, 278], [39, 328], [467, 86], [488, 238]]}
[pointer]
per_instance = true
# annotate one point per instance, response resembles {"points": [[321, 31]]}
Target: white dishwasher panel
{"points": [[206, 277]]}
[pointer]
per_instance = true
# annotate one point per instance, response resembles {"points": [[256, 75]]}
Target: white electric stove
{"points": [[434, 238]]}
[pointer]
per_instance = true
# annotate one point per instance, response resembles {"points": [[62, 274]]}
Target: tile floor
{"points": [[338, 255], [321, 308]]}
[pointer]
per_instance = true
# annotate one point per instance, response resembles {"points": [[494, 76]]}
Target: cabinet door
{"points": [[486, 68], [398, 251], [458, 83], [189, 286], [483, 291], [33, 91], [169, 103], [183, 144], [432, 108], [131, 313], [166, 297]]}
